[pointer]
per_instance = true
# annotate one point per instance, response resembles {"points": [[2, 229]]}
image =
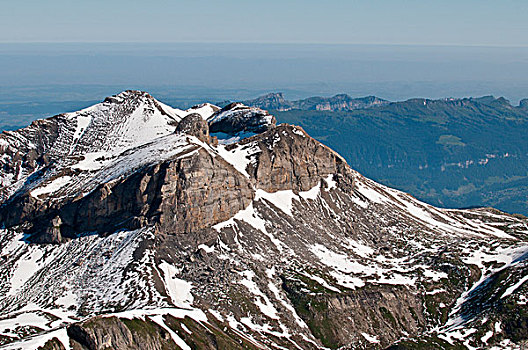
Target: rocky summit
{"points": [[134, 225]]}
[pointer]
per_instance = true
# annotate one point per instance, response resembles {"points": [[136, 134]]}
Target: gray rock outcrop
{"points": [[193, 124]]}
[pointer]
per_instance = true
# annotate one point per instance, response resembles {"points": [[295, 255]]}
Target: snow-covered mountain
{"points": [[133, 225]]}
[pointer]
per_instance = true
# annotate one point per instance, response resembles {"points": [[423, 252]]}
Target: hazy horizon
{"points": [[238, 49], [393, 72]]}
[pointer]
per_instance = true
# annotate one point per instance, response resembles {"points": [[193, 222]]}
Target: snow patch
{"points": [[206, 248], [92, 161], [239, 157], [178, 289], [67, 300], [83, 120], [359, 248], [298, 132], [370, 338], [51, 187], [370, 193], [322, 282], [26, 267], [283, 200], [205, 110], [512, 289], [487, 336], [216, 315], [311, 194], [330, 182]]}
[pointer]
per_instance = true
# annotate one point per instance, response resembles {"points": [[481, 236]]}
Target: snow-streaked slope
{"points": [[344, 239], [125, 121], [93, 169]]}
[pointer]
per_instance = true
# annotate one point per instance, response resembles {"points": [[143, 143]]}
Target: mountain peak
{"points": [[275, 95], [271, 101], [342, 96], [121, 121], [128, 94]]}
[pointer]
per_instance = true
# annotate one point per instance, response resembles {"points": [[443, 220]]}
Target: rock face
{"points": [[383, 307], [163, 240], [194, 124], [53, 232], [181, 195], [289, 159], [121, 333], [52, 344], [201, 192], [112, 333]]}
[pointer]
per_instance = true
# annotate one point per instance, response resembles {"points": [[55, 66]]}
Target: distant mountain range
{"points": [[450, 152], [341, 102]]}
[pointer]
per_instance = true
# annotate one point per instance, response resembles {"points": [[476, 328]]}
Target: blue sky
{"points": [[414, 22]]}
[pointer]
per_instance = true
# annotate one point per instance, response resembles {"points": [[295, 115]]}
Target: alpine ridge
{"points": [[135, 225], [340, 102]]}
